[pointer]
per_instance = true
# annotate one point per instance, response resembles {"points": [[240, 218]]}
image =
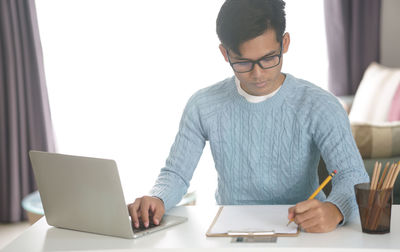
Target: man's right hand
{"points": [[144, 208]]}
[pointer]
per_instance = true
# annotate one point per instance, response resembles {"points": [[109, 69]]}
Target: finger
{"points": [[144, 211], [152, 207], [291, 212], [132, 209], [305, 216], [311, 225], [304, 206], [133, 212], [158, 214]]}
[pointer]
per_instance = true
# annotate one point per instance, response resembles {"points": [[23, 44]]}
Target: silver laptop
{"points": [[85, 194]]}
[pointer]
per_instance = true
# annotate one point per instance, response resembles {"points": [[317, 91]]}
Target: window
{"points": [[120, 72], [307, 57]]}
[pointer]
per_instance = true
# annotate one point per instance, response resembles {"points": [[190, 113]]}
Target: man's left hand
{"points": [[315, 216]]}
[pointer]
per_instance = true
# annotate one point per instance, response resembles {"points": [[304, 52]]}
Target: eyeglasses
{"points": [[264, 62]]}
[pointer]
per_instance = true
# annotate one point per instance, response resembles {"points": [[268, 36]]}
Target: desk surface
{"points": [[191, 236]]}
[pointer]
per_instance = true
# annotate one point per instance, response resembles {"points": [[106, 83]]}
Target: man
{"points": [[266, 129]]}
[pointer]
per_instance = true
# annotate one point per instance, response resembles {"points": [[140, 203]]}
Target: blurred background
{"points": [[110, 79]]}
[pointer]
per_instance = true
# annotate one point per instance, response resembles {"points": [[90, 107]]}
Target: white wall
{"points": [[119, 73]]}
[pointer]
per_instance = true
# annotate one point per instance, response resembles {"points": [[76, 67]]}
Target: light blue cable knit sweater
{"points": [[267, 152]]}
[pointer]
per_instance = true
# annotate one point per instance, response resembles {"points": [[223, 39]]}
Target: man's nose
{"points": [[257, 71]]}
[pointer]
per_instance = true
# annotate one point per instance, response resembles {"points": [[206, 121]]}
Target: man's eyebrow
{"points": [[266, 55]]}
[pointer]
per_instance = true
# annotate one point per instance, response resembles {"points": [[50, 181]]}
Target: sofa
{"points": [[374, 114]]}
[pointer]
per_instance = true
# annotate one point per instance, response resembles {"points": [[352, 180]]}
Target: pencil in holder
{"points": [[375, 207], [375, 199]]}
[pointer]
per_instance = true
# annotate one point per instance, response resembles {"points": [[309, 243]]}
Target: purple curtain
{"points": [[25, 121], [353, 34]]}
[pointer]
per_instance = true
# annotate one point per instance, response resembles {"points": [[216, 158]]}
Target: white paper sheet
{"points": [[254, 218]]}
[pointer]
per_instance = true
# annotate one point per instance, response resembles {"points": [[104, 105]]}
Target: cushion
{"points": [[373, 98], [379, 140], [394, 112]]}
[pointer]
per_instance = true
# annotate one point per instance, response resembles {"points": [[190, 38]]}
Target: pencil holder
{"points": [[375, 208]]}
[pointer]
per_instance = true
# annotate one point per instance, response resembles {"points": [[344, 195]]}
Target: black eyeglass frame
{"points": [[256, 61]]}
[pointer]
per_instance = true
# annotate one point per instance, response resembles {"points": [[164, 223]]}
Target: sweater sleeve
{"points": [[174, 178], [332, 135]]}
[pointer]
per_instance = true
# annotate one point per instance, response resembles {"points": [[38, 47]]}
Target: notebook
{"points": [[252, 220], [85, 194]]}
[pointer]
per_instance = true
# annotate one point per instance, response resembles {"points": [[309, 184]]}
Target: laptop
{"points": [[85, 194]]}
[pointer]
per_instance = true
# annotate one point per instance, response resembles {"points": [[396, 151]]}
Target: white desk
{"points": [[190, 236]]}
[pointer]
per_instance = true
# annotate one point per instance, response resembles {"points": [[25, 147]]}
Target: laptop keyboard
{"points": [[141, 227]]}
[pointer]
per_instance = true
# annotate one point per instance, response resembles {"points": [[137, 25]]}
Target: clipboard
{"points": [[252, 221]]}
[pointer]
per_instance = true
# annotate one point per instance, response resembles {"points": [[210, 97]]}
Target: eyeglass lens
{"points": [[267, 62]]}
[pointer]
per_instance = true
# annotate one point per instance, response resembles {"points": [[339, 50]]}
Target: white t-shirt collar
{"points": [[253, 98]]}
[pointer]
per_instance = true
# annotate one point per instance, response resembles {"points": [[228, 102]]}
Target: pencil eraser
{"points": [[335, 171]]}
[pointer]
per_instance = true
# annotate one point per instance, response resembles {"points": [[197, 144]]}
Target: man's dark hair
{"points": [[241, 20]]}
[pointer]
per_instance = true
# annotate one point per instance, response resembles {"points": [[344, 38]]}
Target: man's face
{"points": [[259, 81]]}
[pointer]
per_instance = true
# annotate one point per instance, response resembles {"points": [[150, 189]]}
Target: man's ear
{"points": [[285, 42], [224, 52]]}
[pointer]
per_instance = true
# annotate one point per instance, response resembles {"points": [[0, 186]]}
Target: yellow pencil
{"points": [[323, 184]]}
